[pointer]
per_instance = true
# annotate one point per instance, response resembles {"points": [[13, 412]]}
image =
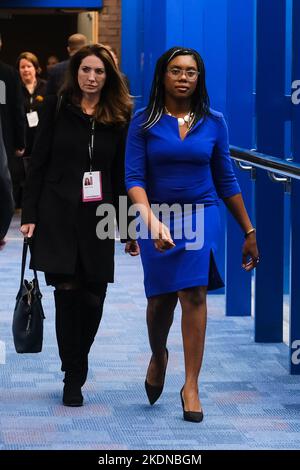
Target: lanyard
{"points": [[91, 143]]}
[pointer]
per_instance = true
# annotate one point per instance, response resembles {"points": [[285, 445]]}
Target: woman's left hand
{"points": [[132, 247], [250, 250]]}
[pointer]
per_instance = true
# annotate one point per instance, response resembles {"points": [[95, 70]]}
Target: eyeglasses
{"points": [[176, 73]]}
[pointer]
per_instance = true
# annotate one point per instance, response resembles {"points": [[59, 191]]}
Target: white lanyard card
{"points": [[32, 118], [92, 186]]}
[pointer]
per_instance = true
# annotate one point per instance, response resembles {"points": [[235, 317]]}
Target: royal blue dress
{"points": [[192, 174]]}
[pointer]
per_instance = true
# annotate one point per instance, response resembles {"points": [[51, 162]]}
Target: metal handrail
{"points": [[266, 162]]}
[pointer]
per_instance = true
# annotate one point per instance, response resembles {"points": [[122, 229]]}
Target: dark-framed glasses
{"points": [[176, 73]]}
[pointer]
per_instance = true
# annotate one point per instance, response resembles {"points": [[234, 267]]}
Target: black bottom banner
{"points": [[134, 458]]}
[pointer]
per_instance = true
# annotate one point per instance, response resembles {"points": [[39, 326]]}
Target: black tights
{"points": [[78, 315]]}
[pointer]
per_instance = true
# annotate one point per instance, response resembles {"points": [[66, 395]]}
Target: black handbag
{"points": [[28, 316]]}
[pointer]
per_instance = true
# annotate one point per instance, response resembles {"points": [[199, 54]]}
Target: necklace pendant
{"points": [[186, 118], [181, 121]]}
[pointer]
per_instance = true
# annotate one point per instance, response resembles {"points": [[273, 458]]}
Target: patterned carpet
{"points": [[249, 399]]}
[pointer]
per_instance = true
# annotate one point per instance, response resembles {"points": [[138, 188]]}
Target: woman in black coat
{"points": [[81, 136], [34, 90]]}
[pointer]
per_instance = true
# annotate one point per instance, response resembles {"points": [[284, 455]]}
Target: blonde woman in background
{"points": [[33, 88]]}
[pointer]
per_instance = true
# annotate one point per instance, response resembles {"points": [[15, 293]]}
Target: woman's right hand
{"points": [[20, 152], [27, 230], [161, 236]]}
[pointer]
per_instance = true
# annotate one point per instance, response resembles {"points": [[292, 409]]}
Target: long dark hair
{"points": [[115, 104], [200, 99]]}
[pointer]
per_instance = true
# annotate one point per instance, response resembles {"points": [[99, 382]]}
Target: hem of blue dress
{"points": [[212, 281]]}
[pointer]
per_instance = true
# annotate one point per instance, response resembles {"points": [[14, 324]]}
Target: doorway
{"points": [[43, 32]]}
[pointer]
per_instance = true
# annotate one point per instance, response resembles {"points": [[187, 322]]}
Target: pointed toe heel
{"points": [[153, 391], [192, 416]]}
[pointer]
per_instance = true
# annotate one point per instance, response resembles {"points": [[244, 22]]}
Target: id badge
{"points": [[32, 119], [92, 186]]}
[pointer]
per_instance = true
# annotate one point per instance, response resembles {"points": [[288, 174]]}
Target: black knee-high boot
{"points": [[69, 337], [91, 313]]}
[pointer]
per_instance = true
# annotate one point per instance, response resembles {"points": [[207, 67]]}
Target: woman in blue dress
{"points": [[178, 155]]}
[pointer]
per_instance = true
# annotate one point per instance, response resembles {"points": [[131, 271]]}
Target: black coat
{"points": [[6, 196], [65, 226], [33, 102], [12, 112]]}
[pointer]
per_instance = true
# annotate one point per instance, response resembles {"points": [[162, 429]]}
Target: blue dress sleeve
{"points": [[221, 164], [135, 156]]}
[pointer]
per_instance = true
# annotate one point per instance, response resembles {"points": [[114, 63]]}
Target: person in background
{"points": [[58, 72], [13, 126], [82, 138], [34, 89], [51, 61], [178, 154], [6, 194]]}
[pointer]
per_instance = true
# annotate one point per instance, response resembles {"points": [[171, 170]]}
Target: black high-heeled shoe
{"points": [[193, 416], [154, 391]]}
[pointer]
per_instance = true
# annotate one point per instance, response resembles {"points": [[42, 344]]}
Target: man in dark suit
{"points": [[58, 72], [12, 141]]}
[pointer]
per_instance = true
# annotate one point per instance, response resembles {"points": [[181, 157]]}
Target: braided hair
{"points": [[156, 104]]}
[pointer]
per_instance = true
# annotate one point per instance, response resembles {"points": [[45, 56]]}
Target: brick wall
{"points": [[110, 24]]}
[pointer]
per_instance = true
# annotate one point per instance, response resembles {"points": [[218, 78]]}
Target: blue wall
{"points": [[149, 28]]}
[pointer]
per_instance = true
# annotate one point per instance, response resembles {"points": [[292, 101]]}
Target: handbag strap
{"points": [[27, 242]]}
